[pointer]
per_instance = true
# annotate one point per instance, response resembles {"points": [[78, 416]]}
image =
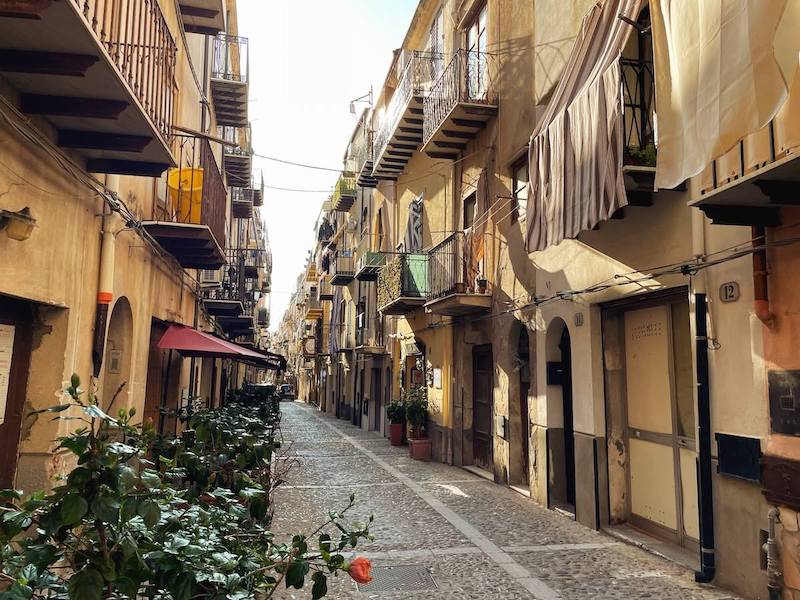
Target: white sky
{"points": [[308, 60]]}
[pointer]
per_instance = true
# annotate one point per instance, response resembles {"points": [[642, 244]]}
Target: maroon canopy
{"points": [[190, 342]]}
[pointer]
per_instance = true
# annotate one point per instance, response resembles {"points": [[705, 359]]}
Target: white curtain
{"points": [[723, 69], [575, 151]]}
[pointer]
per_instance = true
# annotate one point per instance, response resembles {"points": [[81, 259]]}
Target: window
{"points": [[469, 210], [476, 56], [519, 189]]}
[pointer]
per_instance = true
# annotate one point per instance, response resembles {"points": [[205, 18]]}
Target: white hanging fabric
{"points": [[723, 70]]}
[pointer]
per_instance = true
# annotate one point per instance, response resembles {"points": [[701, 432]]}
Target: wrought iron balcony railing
{"points": [[344, 193], [231, 58], [415, 80], [137, 38], [470, 78], [194, 191], [638, 97], [452, 268]]}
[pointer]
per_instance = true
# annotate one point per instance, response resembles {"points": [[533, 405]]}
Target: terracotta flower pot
{"points": [[420, 449], [396, 434]]}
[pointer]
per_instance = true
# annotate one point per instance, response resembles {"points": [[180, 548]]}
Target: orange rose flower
{"points": [[359, 570]]}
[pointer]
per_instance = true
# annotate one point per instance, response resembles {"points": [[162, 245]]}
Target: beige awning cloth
{"points": [[575, 152], [722, 71]]}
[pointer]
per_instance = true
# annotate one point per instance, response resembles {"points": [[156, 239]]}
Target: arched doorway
{"points": [[560, 426], [520, 431], [117, 363]]}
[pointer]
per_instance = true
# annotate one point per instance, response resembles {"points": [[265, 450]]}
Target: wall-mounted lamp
{"points": [[17, 225], [365, 98]]}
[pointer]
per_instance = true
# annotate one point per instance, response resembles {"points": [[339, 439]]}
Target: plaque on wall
{"points": [[784, 401]]}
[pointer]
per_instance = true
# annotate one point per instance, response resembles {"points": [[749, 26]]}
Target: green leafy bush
{"points": [[141, 517]]}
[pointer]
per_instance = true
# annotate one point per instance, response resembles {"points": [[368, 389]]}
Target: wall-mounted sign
{"points": [[6, 350], [437, 378], [729, 292]]}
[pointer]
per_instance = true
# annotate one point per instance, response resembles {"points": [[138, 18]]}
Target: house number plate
{"points": [[729, 292]]}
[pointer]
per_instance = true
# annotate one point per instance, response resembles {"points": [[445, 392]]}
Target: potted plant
{"points": [[396, 412], [416, 400]]}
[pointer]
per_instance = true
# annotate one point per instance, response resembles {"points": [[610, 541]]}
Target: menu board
{"points": [[6, 350]]}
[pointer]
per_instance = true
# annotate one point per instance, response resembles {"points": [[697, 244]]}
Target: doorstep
{"points": [[521, 490], [666, 550], [479, 472]]}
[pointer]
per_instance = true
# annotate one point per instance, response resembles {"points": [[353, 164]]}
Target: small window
{"points": [[519, 187], [469, 210]]}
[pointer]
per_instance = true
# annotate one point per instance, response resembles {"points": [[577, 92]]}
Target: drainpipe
{"points": [[704, 491], [105, 286], [773, 563], [760, 287]]}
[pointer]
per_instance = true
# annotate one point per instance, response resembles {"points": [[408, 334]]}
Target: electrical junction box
{"points": [[784, 401], [501, 426]]}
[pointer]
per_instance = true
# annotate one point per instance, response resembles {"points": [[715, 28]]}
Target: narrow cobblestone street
{"points": [[446, 533]]}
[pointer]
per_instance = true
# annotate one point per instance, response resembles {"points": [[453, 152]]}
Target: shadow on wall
{"points": [[117, 363]]}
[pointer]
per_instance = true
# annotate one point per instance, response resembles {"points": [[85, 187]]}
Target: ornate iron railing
{"points": [[231, 58], [137, 38], [638, 97], [470, 76], [361, 147], [194, 191], [451, 269], [415, 80], [366, 257]]}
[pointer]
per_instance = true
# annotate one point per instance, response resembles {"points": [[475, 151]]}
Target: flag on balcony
{"points": [[412, 242], [723, 70], [576, 148]]}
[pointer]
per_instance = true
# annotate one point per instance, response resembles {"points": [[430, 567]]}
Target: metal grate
{"points": [[405, 578]]}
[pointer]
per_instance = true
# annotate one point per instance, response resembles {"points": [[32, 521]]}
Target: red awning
{"points": [[190, 342]]}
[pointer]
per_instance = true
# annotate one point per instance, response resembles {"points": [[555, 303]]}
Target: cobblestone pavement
{"points": [[446, 533]]}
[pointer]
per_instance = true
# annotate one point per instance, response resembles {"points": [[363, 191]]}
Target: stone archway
{"points": [[560, 425], [118, 358], [518, 409]]}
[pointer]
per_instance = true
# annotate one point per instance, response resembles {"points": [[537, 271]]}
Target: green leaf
{"points": [[296, 574], [183, 587], [106, 508], [73, 508], [86, 585], [96, 412], [151, 479], [150, 513], [320, 588], [126, 586], [77, 444]]}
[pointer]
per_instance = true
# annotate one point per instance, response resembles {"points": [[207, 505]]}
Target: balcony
{"points": [[455, 287], [313, 308], [345, 337], [325, 288], [101, 73], [369, 335], [237, 158], [206, 17], [341, 266], [242, 203], [401, 129], [189, 220], [749, 184], [460, 103], [368, 261], [361, 153], [344, 194], [402, 283], [229, 80]]}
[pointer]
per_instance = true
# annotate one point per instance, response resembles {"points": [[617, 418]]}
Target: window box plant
{"points": [[396, 412]]}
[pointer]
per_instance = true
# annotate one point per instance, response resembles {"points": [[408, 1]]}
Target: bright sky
{"points": [[308, 60]]}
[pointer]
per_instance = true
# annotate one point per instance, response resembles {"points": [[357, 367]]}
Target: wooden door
{"points": [[483, 406], [660, 432], [15, 357], [376, 396]]}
